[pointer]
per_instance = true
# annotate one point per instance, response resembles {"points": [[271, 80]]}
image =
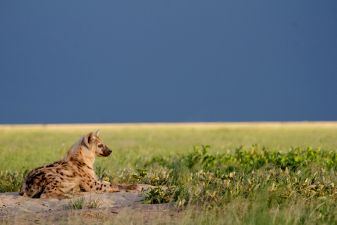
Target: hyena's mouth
{"points": [[106, 152]]}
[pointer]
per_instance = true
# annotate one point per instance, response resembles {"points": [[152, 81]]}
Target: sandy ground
{"points": [[103, 208]]}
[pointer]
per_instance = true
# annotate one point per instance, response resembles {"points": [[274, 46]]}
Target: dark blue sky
{"points": [[155, 61]]}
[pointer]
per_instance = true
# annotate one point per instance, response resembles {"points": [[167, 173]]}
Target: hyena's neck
{"points": [[76, 156], [81, 163]]}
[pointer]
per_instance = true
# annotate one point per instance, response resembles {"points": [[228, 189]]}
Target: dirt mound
{"points": [[82, 209]]}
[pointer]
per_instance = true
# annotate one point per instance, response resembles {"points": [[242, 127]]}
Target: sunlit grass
{"points": [[20, 146]]}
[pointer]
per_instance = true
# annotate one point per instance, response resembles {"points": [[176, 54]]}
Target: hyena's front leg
{"points": [[91, 184]]}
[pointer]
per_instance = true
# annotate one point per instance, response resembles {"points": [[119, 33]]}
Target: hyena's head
{"points": [[89, 146], [94, 144]]}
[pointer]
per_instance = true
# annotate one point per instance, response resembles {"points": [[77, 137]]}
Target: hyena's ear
{"points": [[97, 133], [87, 140]]}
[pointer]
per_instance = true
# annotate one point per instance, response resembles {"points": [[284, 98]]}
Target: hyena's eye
{"points": [[100, 145]]}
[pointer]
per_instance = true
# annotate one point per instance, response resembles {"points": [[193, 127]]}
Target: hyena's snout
{"points": [[106, 151]]}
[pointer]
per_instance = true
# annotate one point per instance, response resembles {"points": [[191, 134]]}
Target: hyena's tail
{"points": [[32, 191], [22, 190], [34, 185]]}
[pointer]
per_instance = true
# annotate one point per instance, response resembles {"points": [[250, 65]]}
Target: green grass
{"points": [[216, 173], [20, 146], [81, 203], [77, 203]]}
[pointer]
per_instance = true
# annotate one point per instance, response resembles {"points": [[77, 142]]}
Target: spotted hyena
{"points": [[72, 174]]}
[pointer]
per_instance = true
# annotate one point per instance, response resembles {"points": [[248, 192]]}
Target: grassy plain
{"points": [[234, 173]]}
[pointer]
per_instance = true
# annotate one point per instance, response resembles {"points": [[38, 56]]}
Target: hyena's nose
{"points": [[106, 151]]}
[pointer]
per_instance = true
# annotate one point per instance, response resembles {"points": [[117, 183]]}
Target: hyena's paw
{"points": [[135, 187], [114, 188], [144, 187], [128, 187]]}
